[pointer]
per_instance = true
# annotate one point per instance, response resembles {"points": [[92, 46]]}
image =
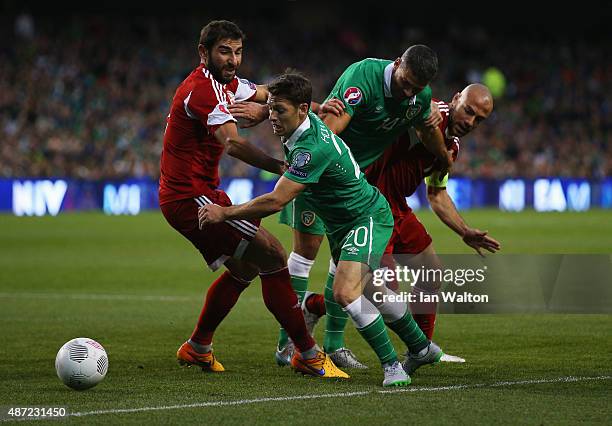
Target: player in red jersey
{"points": [[399, 172], [199, 129]]}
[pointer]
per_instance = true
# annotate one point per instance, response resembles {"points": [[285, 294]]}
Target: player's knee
{"points": [[273, 255], [308, 246], [344, 295]]}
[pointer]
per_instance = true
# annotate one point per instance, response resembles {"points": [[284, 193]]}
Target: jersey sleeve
{"points": [[423, 99], [306, 165], [245, 90], [351, 89], [209, 104]]}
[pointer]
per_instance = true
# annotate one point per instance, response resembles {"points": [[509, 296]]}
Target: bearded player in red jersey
{"points": [[399, 172], [199, 129]]}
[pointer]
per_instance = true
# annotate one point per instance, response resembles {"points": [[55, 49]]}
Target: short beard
{"points": [[217, 73]]}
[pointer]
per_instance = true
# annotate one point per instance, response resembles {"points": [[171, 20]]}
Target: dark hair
{"points": [[422, 61], [292, 86], [218, 30]]}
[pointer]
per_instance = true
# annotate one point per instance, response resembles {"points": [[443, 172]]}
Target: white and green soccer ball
{"points": [[81, 363]]}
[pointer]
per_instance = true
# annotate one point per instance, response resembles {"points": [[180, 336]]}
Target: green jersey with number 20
{"points": [[377, 119]]}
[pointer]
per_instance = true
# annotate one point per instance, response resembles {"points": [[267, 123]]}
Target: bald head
{"points": [[479, 94], [469, 108]]}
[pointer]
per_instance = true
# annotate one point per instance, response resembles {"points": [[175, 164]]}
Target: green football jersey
{"points": [[336, 188], [376, 118]]}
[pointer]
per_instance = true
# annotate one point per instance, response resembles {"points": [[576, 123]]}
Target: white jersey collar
{"points": [[297, 133], [387, 78]]}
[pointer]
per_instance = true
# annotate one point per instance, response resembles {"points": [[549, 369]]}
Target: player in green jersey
{"points": [[382, 99], [357, 218]]}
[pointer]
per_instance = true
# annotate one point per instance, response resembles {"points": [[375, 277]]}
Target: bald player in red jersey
{"points": [[399, 172], [200, 128]]}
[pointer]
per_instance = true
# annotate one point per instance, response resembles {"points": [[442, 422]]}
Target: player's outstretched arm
{"points": [[262, 206], [443, 206], [242, 149]]}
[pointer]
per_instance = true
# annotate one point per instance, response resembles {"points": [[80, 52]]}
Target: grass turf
{"points": [[136, 286]]}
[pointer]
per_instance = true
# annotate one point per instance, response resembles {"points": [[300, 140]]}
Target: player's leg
{"points": [[308, 231], [216, 243], [398, 318], [301, 259], [267, 253], [424, 310], [221, 297], [358, 251], [367, 319]]}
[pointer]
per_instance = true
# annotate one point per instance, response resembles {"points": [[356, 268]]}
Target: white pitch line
{"points": [[568, 379], [94, 296]]}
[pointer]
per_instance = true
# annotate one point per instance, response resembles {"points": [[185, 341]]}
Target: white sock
{"points": [[362, 312], [298, 265], [202, 349], [390, 311]]}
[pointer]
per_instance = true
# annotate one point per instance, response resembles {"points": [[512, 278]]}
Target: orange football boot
{"points": [[186, 355], [321, 366]]}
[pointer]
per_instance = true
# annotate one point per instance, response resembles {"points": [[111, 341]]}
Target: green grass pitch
{"points": [[136, 286]]}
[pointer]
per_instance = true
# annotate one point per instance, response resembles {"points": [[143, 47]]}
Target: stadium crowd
{"points": [[88, 98]]}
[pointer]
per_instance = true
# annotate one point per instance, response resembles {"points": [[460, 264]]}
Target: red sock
{"points": [[281, 300], [316, 304], [426, 323], [220, 299], [424, 312]]}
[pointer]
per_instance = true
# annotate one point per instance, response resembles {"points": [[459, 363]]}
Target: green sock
{"points": [[377, 337], [300, 285], [335, 319], [410, 333]]}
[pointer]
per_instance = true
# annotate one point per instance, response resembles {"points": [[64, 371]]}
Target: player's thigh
{"points": [[266, 252], [217, 242], [410, 237], [349, 281], [364, 241]]}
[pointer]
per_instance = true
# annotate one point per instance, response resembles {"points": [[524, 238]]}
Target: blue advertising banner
{"points": [[39, 197]]}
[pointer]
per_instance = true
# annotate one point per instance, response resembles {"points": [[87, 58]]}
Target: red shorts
{"points": [[409, 235], [217, 242]]}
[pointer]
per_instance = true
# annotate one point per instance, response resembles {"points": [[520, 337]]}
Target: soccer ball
{"points": [[81, 363]]}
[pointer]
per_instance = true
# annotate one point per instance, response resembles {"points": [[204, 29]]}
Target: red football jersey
{"points": [[404, 165], [191, 153]]}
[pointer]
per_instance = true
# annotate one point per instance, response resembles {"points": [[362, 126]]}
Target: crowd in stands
{"points": [[86, 97]]}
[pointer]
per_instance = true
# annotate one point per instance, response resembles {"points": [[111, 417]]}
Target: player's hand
{"points": [[282, 167], [210, 214], [479, 240], [435, 117], [332, 106], [249, 114]]}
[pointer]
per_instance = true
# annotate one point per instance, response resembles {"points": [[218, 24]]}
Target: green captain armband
{"points": [[436, 180]]}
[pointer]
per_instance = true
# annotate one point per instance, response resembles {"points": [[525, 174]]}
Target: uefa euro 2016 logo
{"points": [[352, 96]]}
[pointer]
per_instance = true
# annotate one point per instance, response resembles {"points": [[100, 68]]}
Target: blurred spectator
{"points": [[88, 99]]}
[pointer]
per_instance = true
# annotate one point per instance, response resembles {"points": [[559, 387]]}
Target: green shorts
{"points": [[364, 240], [300, 216]]}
